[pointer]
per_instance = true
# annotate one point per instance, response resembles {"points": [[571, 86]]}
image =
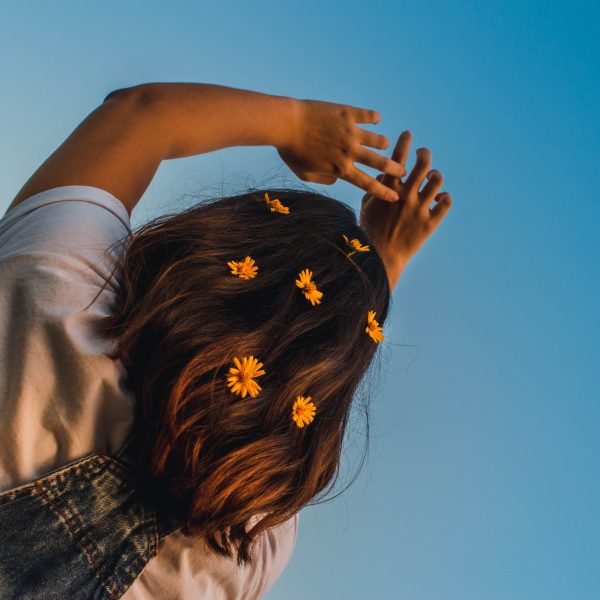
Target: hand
{"points": [[325, 143], [399, 229]]}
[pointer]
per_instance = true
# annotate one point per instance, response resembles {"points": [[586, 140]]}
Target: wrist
{"points": [[394, 270], [284, 122]]}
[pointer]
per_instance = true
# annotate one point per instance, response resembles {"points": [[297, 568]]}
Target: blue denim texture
{"points": [[83, 531]]}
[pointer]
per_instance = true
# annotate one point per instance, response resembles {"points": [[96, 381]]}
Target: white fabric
{"points": [[62, 398]]}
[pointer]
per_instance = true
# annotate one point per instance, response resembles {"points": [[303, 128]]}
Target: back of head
{"points": [[182, 316]]}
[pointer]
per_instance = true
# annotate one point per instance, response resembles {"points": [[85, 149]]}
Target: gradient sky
{"points": [[482, 476]]}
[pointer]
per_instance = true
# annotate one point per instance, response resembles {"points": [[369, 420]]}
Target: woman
{"points": [[174, 396]]}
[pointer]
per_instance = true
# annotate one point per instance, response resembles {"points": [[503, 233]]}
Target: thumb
{"points": [[320, 178], [329, 179]]}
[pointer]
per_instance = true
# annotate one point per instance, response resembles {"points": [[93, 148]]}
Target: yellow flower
{"points": [[244, 269], [355, 245], [373, 328], [303, 411], [309, 287], [275, 205], [241, 380]]}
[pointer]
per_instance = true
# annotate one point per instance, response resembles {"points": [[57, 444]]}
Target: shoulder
{"points": [[74, 228], [278, 547], [85, 194], [186, 567]]}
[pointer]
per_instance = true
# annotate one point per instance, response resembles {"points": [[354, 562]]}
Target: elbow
{"points": [[120, 93], [135, 91]]}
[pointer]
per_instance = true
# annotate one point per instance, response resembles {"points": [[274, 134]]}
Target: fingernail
{"points": [[394, 196]]}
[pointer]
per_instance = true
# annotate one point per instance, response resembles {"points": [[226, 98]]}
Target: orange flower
{"points": [[373, 328], [303, 411], [244, 269], [275, 205], [309, 287], [355, 245], [241, 380]]}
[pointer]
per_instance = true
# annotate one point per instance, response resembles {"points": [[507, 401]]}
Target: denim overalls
{"points": [[83, 531]]}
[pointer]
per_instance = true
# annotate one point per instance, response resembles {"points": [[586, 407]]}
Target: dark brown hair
{"points": [[181, 317]]}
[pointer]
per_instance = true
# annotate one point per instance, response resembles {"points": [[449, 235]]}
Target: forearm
{"points": [[194, 118], [119, 146]]}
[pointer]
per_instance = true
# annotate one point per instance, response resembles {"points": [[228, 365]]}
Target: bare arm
{"points": [[319, 141], [120, 145]]}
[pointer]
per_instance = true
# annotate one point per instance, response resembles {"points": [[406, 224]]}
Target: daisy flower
{"points": [[275, 205], [355, 245], [309, 287], [241, 379], [303, 411], [373, 328], [245, 269]]}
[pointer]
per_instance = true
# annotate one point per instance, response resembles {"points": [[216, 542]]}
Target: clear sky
{"points": [[482, 480]]}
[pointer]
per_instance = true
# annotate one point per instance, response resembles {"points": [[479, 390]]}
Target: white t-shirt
{"points": [[62, 398]]}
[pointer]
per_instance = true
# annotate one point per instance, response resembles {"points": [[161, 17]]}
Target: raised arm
{"points": [[120, 145]]}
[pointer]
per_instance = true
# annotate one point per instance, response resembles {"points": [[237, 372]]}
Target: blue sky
{"points": [[482, 477]]}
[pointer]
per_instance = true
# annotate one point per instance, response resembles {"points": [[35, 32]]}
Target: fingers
{"points": [[432, 187], [402, 148], [399, 155], [375, 140], [420, 170], [379, 162], [385, 180], [440, 210], [371, 185], [364, 115]]}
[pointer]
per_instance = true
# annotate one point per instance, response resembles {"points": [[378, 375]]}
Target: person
{"points": [[173, 396]]}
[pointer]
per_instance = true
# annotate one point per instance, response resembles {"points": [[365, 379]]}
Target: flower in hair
{"points": [[245, 269], [309, 287], [275, 205], [303, 411], [355, 245], [373, 328], [241, 379]]}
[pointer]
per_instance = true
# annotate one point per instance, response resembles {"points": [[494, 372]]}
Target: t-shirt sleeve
{"points": [[281, 541], [186, 567], [62, 397], [76, 222]]}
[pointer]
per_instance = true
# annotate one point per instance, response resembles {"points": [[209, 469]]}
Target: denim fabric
{"points": [[83, 531]]}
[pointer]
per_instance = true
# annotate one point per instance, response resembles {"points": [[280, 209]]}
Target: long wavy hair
{"points": [[181, 316]]}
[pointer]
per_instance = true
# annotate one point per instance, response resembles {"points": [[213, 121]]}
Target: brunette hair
{"points": [[180, 317]]}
